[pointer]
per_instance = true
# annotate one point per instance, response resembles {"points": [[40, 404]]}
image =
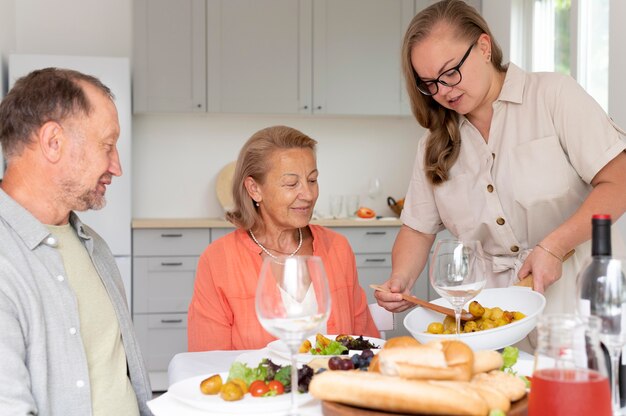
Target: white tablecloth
{"points": [[191, 364]]}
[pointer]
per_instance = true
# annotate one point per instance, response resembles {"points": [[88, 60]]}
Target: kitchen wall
{"points": [[176, 158]]}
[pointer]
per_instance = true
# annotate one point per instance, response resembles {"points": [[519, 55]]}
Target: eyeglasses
{"points": [[450, 78]]}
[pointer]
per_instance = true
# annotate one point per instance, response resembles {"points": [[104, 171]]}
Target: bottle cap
{"points": [[601, 217]]}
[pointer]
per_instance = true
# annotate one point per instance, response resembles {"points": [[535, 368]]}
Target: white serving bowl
{"points": [[524, 300]]}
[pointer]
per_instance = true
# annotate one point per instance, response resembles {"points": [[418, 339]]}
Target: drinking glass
{"points": [[336, 206], [292, 303], [602, 293], [457, 273], [570, 375]]}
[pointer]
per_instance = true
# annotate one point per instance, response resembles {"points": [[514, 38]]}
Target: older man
{"points": [[66, 341]]}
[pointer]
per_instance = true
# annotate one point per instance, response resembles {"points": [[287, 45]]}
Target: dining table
{"points": [[189, 365]]}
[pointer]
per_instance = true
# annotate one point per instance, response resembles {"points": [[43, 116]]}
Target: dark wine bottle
{"points": [[600, 255]]}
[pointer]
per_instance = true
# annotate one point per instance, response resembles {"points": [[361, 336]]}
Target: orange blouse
{"points": [[222, 313]]}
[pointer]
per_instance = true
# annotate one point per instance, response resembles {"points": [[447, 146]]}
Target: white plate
{"points": [[281, 350], [188, 391]]}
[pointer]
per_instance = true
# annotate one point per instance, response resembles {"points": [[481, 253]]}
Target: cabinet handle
{"points": [[306, 107], [375, 260], [171, 321], [178, 263], [171, 235], [319, 107], [375, 232]]}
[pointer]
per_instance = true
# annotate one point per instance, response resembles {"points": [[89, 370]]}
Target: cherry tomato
{"points": [[258, 388], [277, 386]]}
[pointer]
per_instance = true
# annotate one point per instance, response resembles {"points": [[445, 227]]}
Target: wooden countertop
{"points": [[221, 223]]}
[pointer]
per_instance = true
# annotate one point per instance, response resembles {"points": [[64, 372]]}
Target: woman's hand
{"points": [[393, 302], [545, 268]]}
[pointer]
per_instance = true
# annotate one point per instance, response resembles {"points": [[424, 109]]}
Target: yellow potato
{"points": [[231, 392], [211, 385], [435, 328], [487, 318], [476, 309]]}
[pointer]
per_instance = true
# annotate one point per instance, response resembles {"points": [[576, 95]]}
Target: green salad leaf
{"points": [[247, 374], [509, 358], [333, 348]]}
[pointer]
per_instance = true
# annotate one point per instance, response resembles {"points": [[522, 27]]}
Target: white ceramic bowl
{"points": [[509, 299]]}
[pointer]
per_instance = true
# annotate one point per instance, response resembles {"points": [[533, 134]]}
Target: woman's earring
{"points": [[256, 203]]}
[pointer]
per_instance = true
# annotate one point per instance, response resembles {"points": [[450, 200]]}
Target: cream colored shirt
{"points": [[547, 141], [111, 390]]}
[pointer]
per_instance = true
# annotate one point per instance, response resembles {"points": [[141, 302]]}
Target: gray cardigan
{"points": [[43, 368]]}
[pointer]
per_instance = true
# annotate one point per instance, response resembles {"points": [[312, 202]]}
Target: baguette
{"points": [[393, 394], [495, 399]]}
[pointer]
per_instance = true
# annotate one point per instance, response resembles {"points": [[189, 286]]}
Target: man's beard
{"points": [[80, 199]]}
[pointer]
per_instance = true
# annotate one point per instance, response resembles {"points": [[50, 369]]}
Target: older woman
{"points": [[274, 191]]}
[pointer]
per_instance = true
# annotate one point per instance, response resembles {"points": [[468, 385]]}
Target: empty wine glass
{"points": [[292, 303], [602, 293], [457, 273]]}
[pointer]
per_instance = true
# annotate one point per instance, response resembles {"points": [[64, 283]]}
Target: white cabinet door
{"points": [[356, 56], [169, 56], [259, 56]]}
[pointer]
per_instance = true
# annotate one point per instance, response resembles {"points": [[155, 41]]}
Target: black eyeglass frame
{"points": [[420, 82]]}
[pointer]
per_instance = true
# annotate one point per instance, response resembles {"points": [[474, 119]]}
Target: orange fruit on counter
{"points": [[364, 212]]}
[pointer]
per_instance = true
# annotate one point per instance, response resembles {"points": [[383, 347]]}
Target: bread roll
{"points": [[396, 342], [487, 360], [494, 398], [451, 360], [510, 385], [393, 394], [404, 341]]}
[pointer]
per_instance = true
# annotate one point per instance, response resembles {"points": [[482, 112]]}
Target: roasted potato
{"points": [[487, 318], [211, 385]]}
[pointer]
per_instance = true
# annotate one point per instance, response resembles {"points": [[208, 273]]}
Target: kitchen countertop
{"points": [[139, 223]]}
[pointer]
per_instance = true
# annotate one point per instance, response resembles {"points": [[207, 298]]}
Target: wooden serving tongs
{"points": [[528, 280], [465, 315]]}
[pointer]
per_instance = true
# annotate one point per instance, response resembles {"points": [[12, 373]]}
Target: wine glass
{"points": [[292, 303], [602, 293], [457, 273]]}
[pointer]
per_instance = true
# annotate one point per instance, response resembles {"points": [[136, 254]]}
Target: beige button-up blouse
{"points": [[548, 139]]}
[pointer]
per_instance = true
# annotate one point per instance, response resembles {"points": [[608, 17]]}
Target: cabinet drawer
{"points": [[370, 239], [373, 260], [170, 242], [163, 284], [161, 337]]}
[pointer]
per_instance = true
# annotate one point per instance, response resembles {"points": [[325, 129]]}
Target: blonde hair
{"points": [[444, 142], [254, 161]]}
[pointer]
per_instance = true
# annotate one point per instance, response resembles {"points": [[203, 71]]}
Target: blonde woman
{"points": [[517, 160]]}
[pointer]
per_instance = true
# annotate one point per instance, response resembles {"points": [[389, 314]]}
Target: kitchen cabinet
{"points": [[271, 56], [164, 269], [169, 56], [307, 56], [372, 249], [356, 56]]}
